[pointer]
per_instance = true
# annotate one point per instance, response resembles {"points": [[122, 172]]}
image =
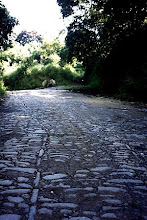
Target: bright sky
{"points": [[42, 16]]}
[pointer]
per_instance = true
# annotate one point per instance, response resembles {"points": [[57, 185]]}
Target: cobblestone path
{"points": [[68, 156]]}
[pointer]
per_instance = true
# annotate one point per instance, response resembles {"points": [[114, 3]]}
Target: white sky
{"points": [[42, 16]]}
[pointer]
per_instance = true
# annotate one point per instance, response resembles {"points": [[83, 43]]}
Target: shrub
{"points": [[94, 81], [33, 77], [2, 88], [12, 80], [40, 64]]}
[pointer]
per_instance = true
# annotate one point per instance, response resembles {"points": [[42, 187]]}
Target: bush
{"points": [[37, 65], [95, 82], [2, 88], [33, 77], [133, 88], [12, 80]]}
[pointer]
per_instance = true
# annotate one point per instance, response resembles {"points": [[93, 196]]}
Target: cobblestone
{"points": [[68, 156]]}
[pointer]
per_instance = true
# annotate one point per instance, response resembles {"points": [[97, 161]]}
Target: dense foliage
{"points": [[109, 37], [35, 65], [30, 62], [27, 37], [7, 22]]}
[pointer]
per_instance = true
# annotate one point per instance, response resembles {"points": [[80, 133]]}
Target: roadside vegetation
{"points": [[104, 52], [109, 38], [7, 22], [27, 61], [33, 66]]}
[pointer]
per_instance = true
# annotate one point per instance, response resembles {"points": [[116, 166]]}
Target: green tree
{"points": [[108, 21], [107, 36], [28, 36], [7, 22]]}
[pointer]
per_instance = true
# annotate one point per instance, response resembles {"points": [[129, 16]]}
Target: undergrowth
{"points": [[2, 88], [33, 77]]}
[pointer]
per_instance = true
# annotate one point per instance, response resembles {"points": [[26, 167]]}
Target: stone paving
{"points": [[69, 156]]}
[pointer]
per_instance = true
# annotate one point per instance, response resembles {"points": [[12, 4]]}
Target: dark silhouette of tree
{"points": [[7, 22], [109, 37], [27, 37], [107, 20]]}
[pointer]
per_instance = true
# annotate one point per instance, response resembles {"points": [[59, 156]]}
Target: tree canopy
{"points": [[28, 36], [7, 22], [107, 35], [105, 21]]}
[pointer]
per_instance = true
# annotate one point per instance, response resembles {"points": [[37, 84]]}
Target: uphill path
{"points": [[67, 156]]}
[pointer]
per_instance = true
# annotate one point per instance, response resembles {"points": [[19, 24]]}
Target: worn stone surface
{"points": [[68, 156]]}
